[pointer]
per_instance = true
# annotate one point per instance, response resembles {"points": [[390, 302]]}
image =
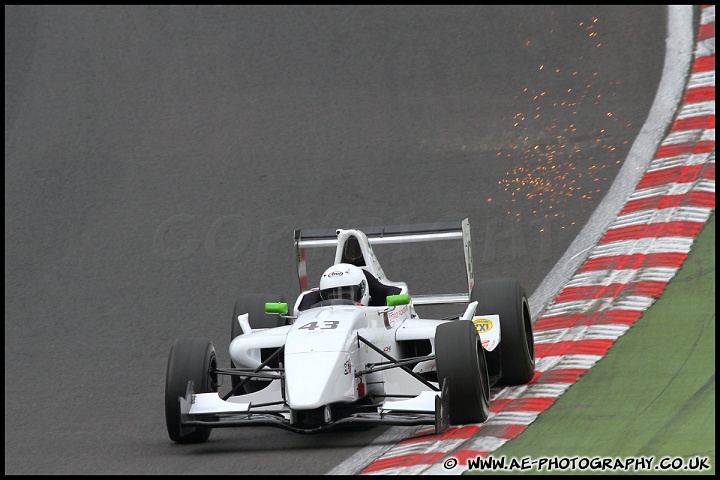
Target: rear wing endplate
{"points": [[426, 232]]}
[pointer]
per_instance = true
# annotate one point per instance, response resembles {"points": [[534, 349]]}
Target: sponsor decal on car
{"points": [[482, 324], [398, 313], [488, 328]]}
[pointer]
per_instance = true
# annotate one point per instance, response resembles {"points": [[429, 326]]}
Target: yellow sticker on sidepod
{"points": [[483, 325]]}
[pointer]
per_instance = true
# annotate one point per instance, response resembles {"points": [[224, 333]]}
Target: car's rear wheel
{"points": [[191, 359], [506, 297], [254, 305], [460, 358]]}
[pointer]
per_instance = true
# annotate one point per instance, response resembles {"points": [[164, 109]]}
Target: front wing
{"points": [[211, 410]]}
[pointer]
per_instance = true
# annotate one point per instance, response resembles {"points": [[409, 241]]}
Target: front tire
{"points": [[506, 297], [460, 358], [191, 359]]}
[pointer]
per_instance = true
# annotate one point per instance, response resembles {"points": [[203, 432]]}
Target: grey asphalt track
{"points": [[158, 158]]}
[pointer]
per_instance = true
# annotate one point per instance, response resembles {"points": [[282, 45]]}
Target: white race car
{"points": [[354, 351]]}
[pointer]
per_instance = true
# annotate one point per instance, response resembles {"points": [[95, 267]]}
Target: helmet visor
{"points": [[352, 292]]}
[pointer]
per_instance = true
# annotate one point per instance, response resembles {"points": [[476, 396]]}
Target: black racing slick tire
{"points": [[191, 359], [506, 297], [254, 305], [460, 359]]}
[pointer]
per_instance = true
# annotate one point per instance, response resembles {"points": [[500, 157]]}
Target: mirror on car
{"points": [[276, 307], [395, 300]]}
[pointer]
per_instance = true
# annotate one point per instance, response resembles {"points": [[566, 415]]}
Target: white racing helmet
{"points": [[344, 281]]}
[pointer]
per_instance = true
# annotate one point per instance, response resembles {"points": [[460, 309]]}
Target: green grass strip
{"points": [[652, 395]]}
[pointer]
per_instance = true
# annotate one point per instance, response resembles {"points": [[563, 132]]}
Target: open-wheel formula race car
{"points": [[354, 351]]}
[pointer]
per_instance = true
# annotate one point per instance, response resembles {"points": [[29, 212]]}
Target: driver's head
{"points": [[345, 282]]}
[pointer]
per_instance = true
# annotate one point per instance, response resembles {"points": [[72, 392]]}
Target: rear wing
{"points": [[427, 232]]}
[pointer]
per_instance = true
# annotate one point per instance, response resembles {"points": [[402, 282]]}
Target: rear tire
{"points": [[191, 359], [460, 358], [506, 297], [254, 306]]}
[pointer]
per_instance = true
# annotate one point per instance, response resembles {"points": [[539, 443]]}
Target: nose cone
{"points": [[314, 379]]}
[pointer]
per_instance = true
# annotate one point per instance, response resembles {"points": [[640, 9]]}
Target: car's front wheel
{"points": [[460, 358], [191, 359]]}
